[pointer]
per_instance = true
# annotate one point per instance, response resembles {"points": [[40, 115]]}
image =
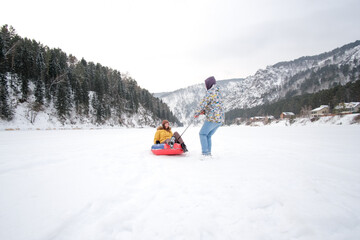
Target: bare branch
{"points": [[12, 48], [57, 80]]}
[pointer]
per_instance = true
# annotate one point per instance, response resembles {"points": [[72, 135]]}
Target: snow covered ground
{"points": [[273, 182]]}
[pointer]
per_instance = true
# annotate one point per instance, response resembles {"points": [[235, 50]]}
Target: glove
{"points": [[201, 113], [157, 142]]}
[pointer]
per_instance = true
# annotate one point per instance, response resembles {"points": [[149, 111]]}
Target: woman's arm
{"points": [[202, 105], [157, 136]]}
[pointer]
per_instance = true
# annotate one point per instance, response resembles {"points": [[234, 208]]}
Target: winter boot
{"points": [[183, 146], [205, 157], [172, 141]]}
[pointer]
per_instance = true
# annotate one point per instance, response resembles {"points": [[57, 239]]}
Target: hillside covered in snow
{"points": [[285, 79], [44, 86]]}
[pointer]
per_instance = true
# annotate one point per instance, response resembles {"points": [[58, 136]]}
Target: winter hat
{"points": [[163, 123], [209, 82]]}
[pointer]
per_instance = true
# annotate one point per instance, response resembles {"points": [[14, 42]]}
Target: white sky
{"points": [[166, 44]]}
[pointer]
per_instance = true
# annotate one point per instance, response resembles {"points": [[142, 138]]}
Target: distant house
{"points": [[287, 115], [348, 107], [261, 118], [257, 118], [239, 120], [320, 111]]}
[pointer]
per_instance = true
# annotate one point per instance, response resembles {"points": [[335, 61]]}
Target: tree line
{"points": [[300, 104], [50, 76]]}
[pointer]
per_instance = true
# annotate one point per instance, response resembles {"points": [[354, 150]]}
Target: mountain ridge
{"points": [[307, 74]]}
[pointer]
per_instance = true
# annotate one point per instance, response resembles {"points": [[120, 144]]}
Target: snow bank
{"points": [[263, 183], [348, 119], [48, 121], [25, 119]]}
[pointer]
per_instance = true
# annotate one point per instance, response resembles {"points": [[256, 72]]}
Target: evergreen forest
{"points": [[43, 77]]}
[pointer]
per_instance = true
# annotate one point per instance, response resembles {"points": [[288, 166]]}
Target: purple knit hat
{"points": [[209, 82]]}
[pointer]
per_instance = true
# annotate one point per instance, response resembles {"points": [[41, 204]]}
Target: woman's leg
{"points": [[167, 141], [212, 133], [178, 138], [203, 138], [207, 130]]}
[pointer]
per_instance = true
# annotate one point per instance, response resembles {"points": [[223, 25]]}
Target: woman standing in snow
{"points": [[211, 105], [164, 135]]}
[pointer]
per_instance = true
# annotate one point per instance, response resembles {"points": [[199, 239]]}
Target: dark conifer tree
{"points": [[5, 110], [63, 101], [39, 92], [85, 97], [5, 45], [40, 74]]}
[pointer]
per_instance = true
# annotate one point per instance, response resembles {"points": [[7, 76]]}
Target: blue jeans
{"points": [[207, 130]]}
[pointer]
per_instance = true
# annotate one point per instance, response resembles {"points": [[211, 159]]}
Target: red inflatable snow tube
{"points": [[165, 149]]}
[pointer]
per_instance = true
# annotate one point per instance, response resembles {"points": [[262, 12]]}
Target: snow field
{"points": [[276, 182]]}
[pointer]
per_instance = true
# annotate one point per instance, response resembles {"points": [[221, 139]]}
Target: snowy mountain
{"points": [[42, 87], [284, 79]]}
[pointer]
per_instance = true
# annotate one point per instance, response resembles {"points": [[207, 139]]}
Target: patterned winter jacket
{"points": [[212, 105]]}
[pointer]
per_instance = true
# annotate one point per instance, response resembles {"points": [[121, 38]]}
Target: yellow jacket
{"points": [[161, 134]]}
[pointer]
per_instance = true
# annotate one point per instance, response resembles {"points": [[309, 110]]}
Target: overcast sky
{"points": [[169, 44]]}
